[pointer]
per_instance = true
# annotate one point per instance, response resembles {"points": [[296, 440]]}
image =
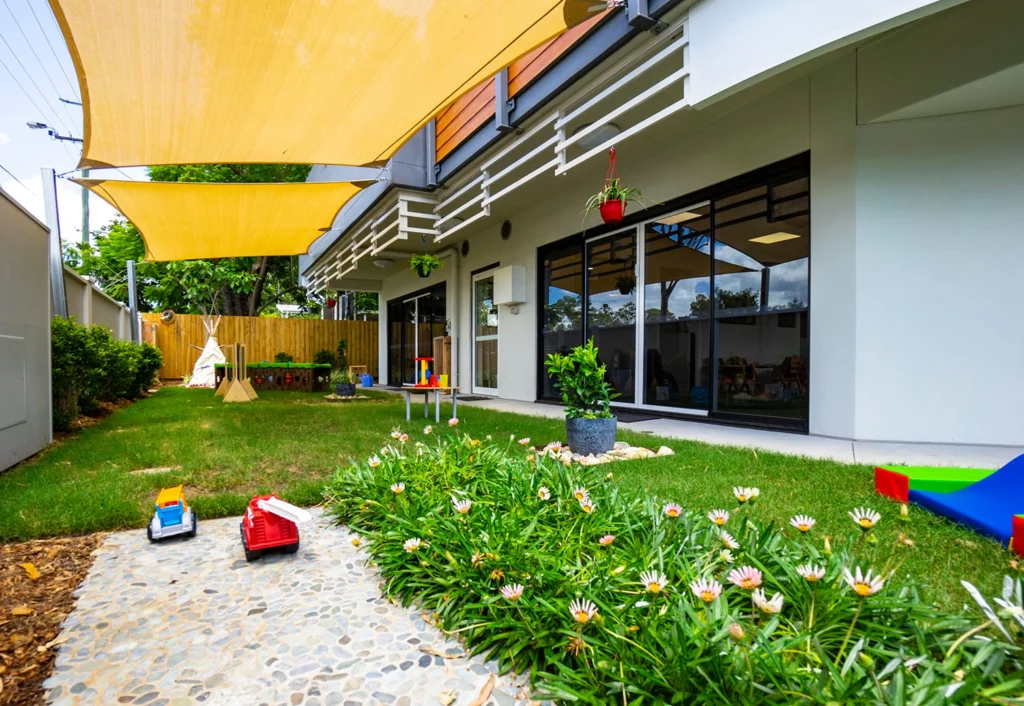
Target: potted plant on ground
{"points": [[423, 265], [343, 385], [580, 378]]}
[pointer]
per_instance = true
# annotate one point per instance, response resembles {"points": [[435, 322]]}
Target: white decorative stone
{"points": [[666, 451]]}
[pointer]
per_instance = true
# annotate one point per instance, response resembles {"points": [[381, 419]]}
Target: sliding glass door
{"points": [[611, 308], [723, 301], [413, 324]]}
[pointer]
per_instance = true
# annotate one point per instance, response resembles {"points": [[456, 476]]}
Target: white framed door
{"points": [[485, 335]]}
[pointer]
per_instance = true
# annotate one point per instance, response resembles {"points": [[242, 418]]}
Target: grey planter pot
{"points": [[345, 390], [590, 436]]}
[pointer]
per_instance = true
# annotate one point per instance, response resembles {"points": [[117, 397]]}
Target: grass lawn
{"points": [[291, 442]]}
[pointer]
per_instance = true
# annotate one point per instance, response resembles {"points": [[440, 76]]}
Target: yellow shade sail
{"points": [[188, 221], [285, 81]]}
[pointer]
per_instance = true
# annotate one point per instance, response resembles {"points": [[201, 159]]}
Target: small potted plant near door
{"points": [[580, 378], [342, 381], [423, 265]]}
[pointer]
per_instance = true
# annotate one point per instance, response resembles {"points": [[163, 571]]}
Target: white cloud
{"points": [[4, 139]]}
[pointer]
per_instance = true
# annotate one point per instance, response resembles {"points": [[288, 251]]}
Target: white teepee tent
{"points": [[202, 372]]}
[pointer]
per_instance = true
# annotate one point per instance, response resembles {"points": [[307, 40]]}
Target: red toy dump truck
{"points": [[271, 523]]}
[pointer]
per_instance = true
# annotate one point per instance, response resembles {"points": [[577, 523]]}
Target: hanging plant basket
{"points": [[423, 265], [331, 303], [611, 200], [612, 211], [626, 284]]}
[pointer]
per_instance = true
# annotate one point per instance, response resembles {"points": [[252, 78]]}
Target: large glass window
{"points": [[611, 308], [762, 257], [723, 302], [677, 314], [561, 270]]}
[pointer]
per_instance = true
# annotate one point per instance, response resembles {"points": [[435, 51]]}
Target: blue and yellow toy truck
{"points": [[173, 516]]}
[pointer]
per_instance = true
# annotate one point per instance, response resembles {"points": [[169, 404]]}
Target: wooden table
{"points": [[410, 390]]}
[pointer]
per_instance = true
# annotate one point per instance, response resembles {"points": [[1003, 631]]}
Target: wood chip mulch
{"points": [[36, 582]]}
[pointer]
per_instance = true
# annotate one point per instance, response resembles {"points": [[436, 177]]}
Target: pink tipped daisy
{"points": [[525, 441], [729, 541], [453, 422], [606, 540], [672, 510], [746, 577], [706, 589], [428, 429], [512, 592], [461, 506], [719, 517], [804, 523]]}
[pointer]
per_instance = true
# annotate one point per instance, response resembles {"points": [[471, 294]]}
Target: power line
{"points": [[60, 64], [32, 80], [56, 91], [14, 177], [18, 83]]}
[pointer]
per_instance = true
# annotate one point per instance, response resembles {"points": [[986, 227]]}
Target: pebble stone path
{"points": [[189, 621]]}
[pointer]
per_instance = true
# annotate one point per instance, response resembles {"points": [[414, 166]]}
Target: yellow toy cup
{"points": [[442, 380]]}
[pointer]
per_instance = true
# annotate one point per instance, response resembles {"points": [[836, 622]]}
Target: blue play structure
{"points": [[988, 506]]}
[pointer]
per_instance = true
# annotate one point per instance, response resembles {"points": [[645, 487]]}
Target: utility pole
{"points": [[85, 172]]}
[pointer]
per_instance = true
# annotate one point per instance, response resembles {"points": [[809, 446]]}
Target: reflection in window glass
{"points": [[611, 308], [562, 322], [677, 286], [761, 253]]}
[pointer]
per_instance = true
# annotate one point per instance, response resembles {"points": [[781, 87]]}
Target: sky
{"points": [[35, 72]]}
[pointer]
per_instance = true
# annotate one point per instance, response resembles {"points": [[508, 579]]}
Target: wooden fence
{"points": [[183, 338]]}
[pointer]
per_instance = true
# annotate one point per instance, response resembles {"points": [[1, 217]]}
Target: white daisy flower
{"points": [[398, 488], [543, 493], [428, 429], [729, 541], [582, 610], [412, 545], [804, 523], [374, 461], [744, 495], [654, 581], [863, 585], [865, 517], [461, 506], [771, 606], [719, 517], [579, 492], [811, 573], [588, 505]]}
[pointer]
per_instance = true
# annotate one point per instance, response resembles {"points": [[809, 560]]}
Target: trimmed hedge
{"points": [[90, 366]]}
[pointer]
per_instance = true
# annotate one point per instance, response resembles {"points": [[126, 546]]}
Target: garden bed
{"points": [[294, 377], [610, 596]]}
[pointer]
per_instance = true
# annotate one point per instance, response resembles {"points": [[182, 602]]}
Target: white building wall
{"points": [[24, 334], [940, 240]]}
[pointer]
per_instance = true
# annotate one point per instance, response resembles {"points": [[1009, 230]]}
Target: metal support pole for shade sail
{"points": [[85, 210], [133, 303], [60, 302]]}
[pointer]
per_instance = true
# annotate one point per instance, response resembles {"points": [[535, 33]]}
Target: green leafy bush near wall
{"points": [[283, 357], [609, 596], [89, 366], [325, 357]]}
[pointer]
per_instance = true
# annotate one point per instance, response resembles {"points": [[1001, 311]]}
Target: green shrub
{"points": [[150, 362], [71, 369], [534, 527], [342, 353], [325, 357], [120, 367], [283, 357]]}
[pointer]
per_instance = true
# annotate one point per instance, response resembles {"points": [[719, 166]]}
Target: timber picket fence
{"points": [[183, 338]]}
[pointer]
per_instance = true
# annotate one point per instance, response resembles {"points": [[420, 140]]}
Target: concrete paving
{"points": [[189, 621], [842, 450]]}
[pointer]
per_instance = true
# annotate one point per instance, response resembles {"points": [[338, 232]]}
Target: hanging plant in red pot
{"points": [[611, 199], [331, 302]]}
